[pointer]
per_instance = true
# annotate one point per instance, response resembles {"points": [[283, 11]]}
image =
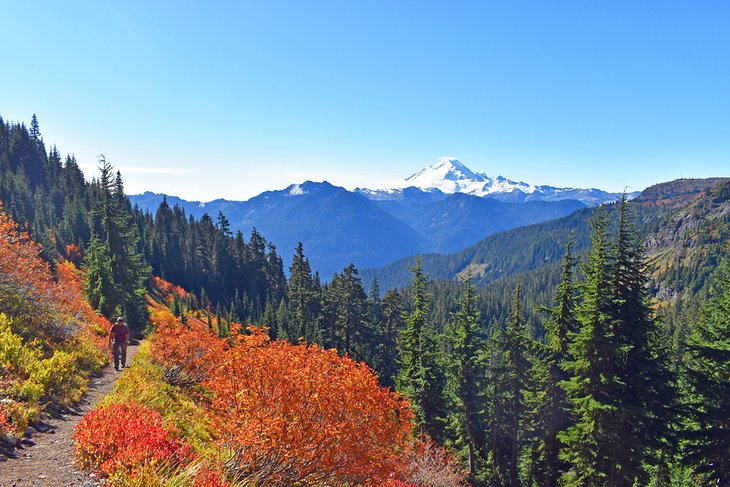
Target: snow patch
{"points": [[296, 190]]}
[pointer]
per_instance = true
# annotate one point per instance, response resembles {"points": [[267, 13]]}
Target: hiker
{"points": [[118, 340]]}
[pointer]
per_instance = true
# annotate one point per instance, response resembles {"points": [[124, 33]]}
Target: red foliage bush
{"points": [[302, 414], [187, 354], [126, 436], [4, 425], [209, 478], [168, 289]]}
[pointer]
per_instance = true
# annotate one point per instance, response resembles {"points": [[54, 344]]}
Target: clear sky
{"points": [[228, 99]]}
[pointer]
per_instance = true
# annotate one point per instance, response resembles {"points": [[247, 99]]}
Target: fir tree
{"points": [[98, 283], [386, 360], [551, 408], [648, 404], [421, 376], [594, 389], [707, 448], [510, 376], [128, 270], [303, 305], [466, 376]]}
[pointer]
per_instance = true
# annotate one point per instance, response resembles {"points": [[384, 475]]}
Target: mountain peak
{"points": [[448, 175]]}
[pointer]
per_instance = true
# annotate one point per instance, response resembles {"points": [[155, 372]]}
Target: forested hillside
{"points": [[586, 351], [678, 220]]}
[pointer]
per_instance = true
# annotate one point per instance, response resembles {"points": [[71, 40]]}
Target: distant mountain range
{"points": [[448, 175], [685, 224], [443, 208]]}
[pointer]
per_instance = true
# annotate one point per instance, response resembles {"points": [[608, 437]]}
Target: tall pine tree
{"points": [[707, 448], [551, 408], [466, 378], [421, 376]]}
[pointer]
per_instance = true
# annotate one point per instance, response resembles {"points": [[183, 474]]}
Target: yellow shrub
{"points": [[15, 355], [60, 377]]}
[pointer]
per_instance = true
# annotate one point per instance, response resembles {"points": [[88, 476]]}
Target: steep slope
{"points": [[683, 237], [456, 221], [335, 226]]}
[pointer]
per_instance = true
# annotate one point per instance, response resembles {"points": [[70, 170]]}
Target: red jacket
{"points": [[119, 333]]}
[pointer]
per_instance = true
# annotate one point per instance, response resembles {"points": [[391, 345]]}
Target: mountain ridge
{"points": [[675, 231], [448, 175], [338, 226]]}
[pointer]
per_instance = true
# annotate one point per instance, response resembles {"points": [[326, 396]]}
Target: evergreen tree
{"points": [[35, 131], [707, 448], [303, 303], [421, 376], [510, 377], [551, 408], [467, 373], [347, 314], [99, 284], [128, 270], [386, 359], [594, 389], [644, 367]]}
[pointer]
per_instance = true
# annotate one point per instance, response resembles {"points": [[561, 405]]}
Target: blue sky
{"points": [[230, 99]]}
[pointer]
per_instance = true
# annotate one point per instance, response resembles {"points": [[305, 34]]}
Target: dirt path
{"points": [[49, 462]]}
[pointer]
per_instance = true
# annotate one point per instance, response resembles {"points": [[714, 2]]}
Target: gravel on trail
{"points": [[49, 461]]}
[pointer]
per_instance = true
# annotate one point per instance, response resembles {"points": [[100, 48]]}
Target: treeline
{"points": [[601, 397], [94, 225], [582, 387]]}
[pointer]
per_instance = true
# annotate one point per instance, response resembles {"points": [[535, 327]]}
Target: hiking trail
{"points": [[49, 463]]}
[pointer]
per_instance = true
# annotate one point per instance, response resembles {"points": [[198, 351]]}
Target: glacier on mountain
{"points": [[448, 175]]}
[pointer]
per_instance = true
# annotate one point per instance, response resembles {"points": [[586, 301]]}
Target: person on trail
{"points": [[118, 340]]}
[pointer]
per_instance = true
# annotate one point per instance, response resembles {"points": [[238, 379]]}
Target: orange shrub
{"points": [[4, 425], [302, 414], [125, 437], [187, 354], [168, 289], [209, 478], [27, 289]]}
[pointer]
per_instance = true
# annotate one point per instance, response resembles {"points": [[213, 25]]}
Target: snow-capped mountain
{"points": [[448, 175]]}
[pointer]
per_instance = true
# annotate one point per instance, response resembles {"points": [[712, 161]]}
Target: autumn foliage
{"points": [[301, 413], [50, 338], [276, 413], [127, 436]]}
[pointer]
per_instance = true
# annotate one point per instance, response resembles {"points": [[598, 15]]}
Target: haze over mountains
{"points": [[442, 208]]}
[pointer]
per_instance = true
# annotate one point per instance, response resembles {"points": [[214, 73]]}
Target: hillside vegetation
{"points": [[683, 222], [51, 341], [593, 360]]}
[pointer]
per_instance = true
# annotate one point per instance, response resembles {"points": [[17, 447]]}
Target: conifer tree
{"points": [[35, 132], [348, 303], [128, 269], [510, 377], [421, 377], [551, 411], [99, 283], [303, 305], [465, 380], [644, 367], [707, 448], [594, 389], [386, 360]]}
